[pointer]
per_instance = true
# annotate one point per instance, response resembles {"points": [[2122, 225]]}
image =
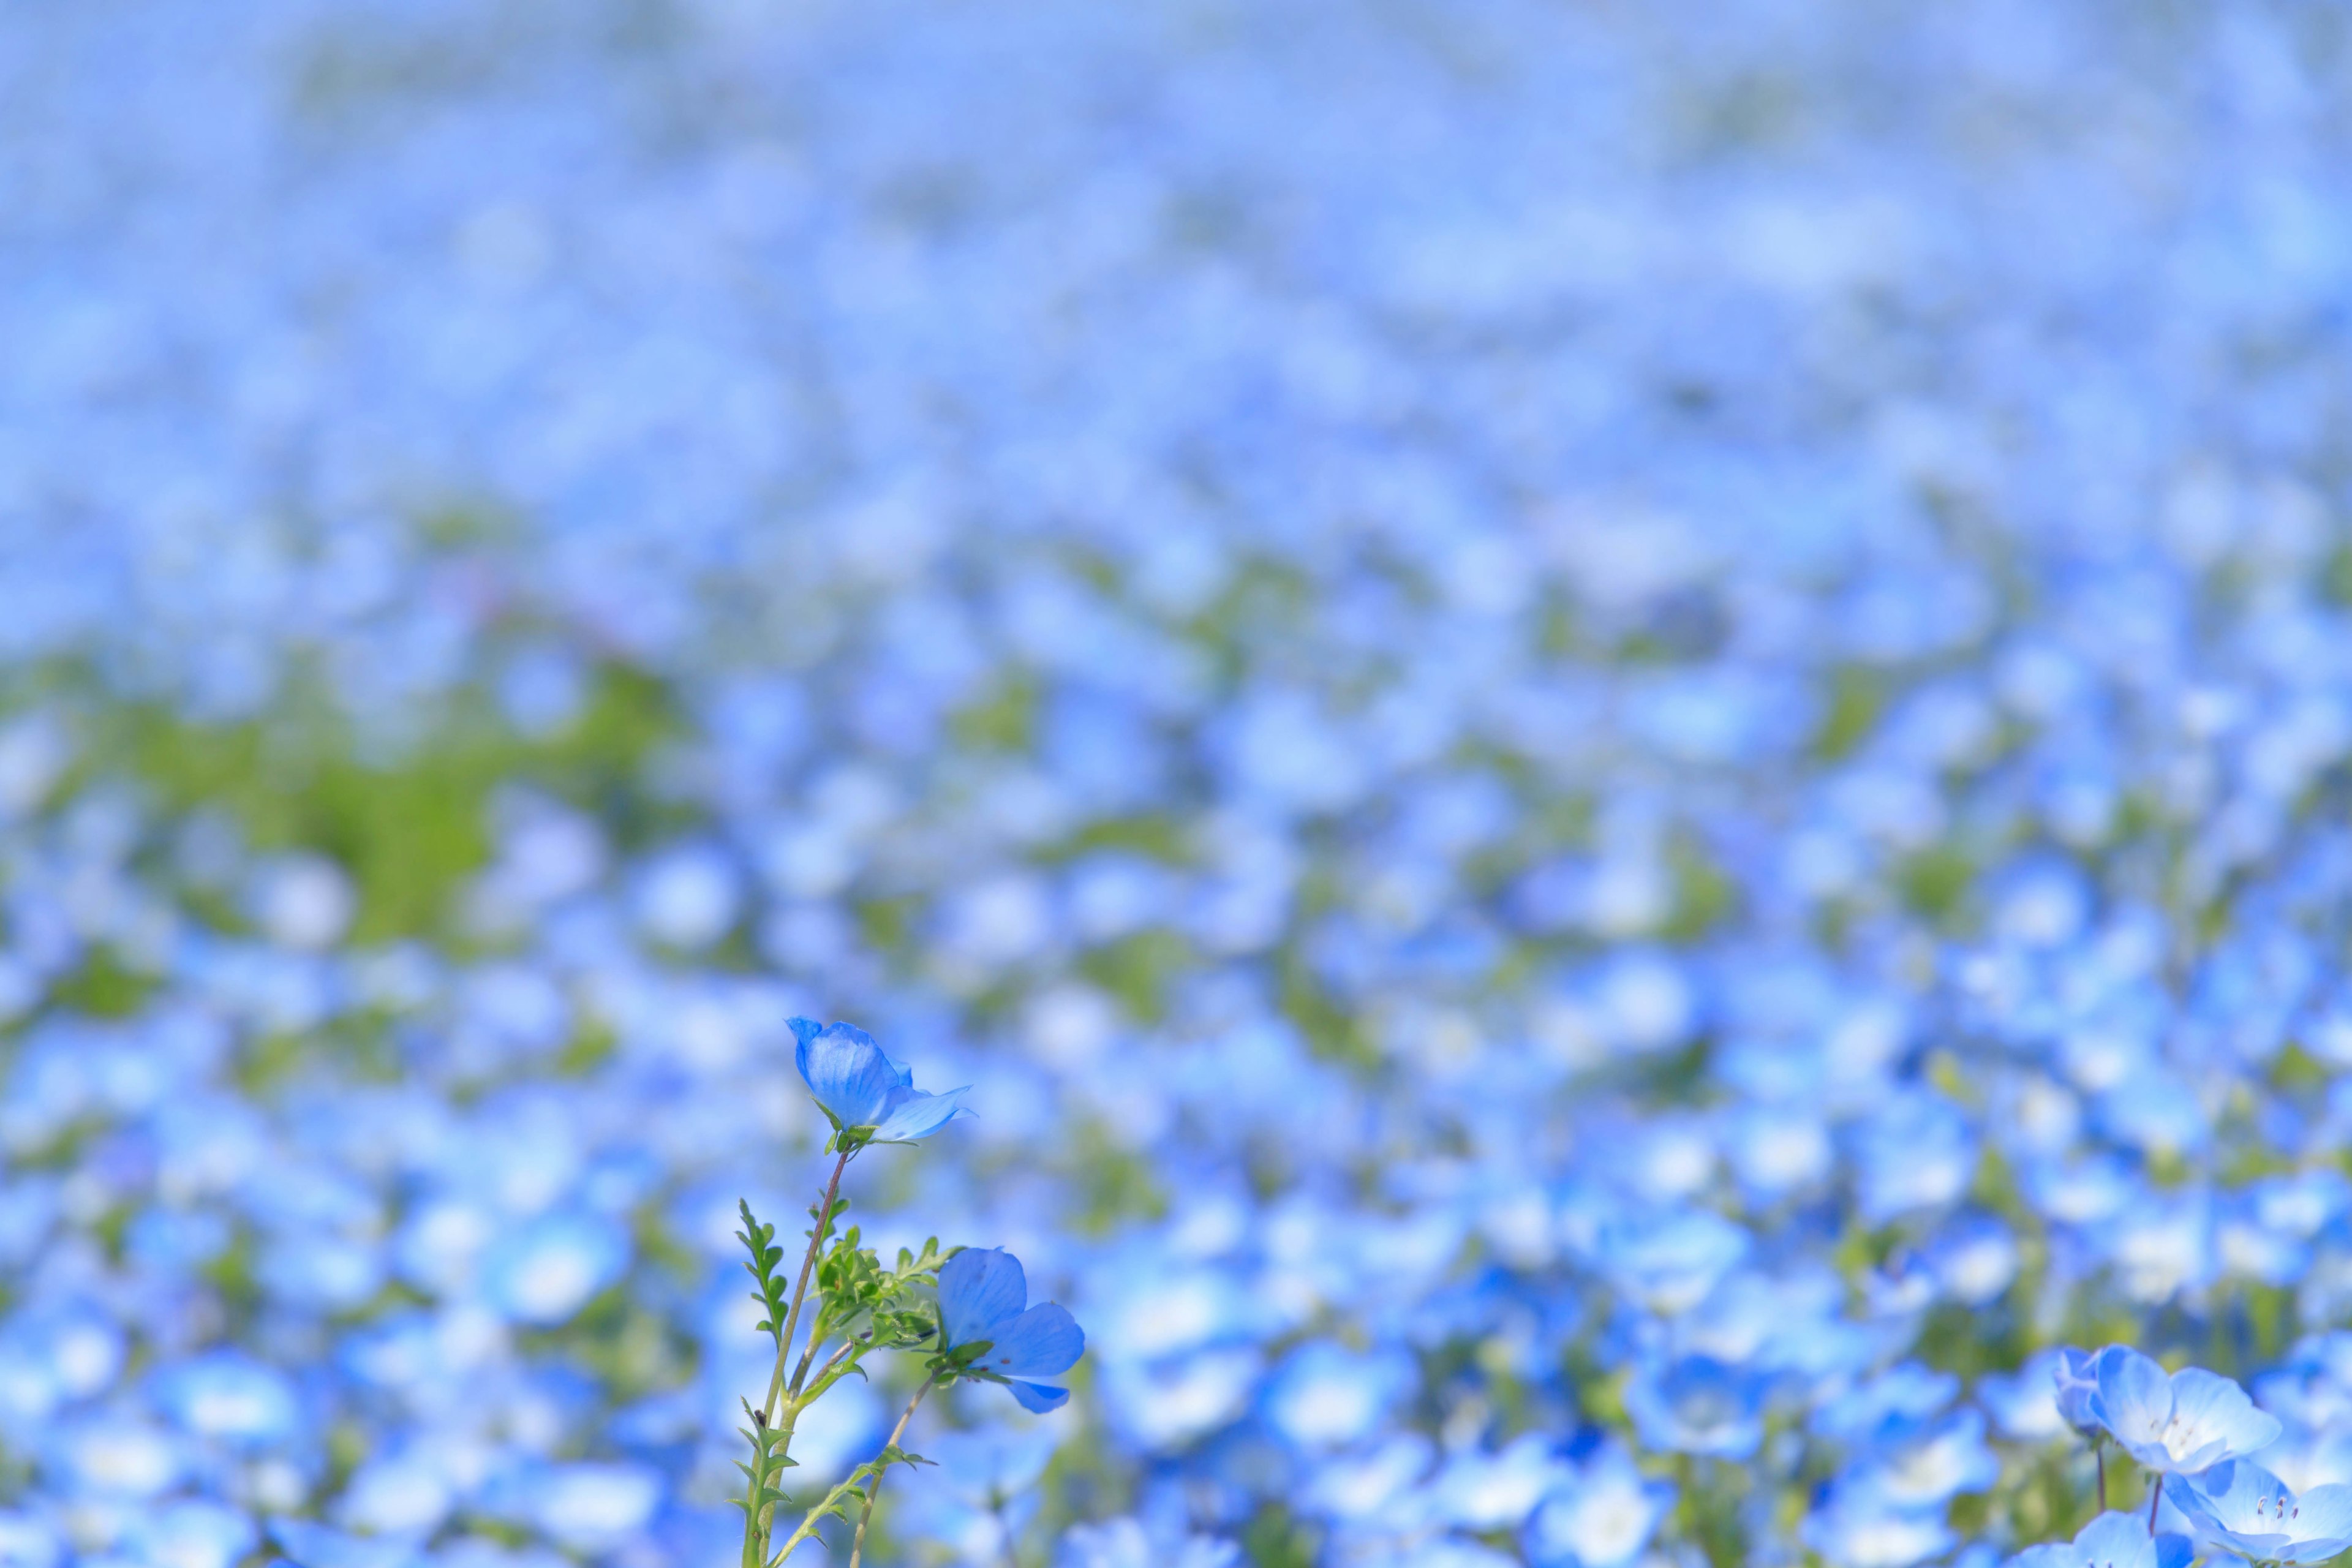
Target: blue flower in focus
{"points": [[983, 1301], [1697, 1405], [864, 1091], [2178, 1425], [2242, 1508], [2076, 1377], [2110, 1541]]}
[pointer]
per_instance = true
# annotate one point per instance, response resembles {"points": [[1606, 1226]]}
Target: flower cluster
{"points": [[1613, 739]]}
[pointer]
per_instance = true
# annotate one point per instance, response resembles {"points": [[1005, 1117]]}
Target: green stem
{"points": [[758, 1524], [857, 1547], [808, 1266]]}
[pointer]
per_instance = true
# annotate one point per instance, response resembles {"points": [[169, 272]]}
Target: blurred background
{"points": [[1614, 734]]}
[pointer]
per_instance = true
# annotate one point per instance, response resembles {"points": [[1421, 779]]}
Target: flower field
{"points": [[1610, 745]]}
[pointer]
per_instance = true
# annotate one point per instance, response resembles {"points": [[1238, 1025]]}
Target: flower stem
{"points": [[2154, 1496], [857, 1547], [800, 1291], [2099, 1452], [758, 1529]]}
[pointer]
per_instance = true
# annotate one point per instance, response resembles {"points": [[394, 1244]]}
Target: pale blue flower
{"points": [[2242, 1508], [1697, 1405], [2075, 1379], [1602, 1518], [862, 1088], [2110, 1541], [2176, 1425], [984, 1298]]}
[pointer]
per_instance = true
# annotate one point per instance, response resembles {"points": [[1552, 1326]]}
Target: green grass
{"points": [[410, 831]]}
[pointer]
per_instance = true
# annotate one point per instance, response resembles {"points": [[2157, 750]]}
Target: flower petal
{"points": [[846, 1070], [1040, 1343], [2216, 1411], [2322, 1521], [2133, 1401], [2120, 1539], [980, 1288], [919, 1115], [1038, 1396]]}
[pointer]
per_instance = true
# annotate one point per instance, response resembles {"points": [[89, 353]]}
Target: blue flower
{"points": [[864, 1091], [2179, 1425], [1696, 1405], [2110, 1541], [2076, 1377], [983, 1301], [1603, 1518], [1860, 1528], [2242, 1508]]}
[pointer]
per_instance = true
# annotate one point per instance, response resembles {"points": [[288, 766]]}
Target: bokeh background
{"points": [[1614, 733]]}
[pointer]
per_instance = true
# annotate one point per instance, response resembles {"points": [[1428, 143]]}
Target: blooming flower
{"points": [[2178, 1425], [2076, 1377], [2242, 1508], [1696, 1405], [2110, 1541], [1603, 1518], [864, 1091], [983, 1296]]}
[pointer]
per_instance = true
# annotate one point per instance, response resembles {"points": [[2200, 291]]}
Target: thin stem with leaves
{"points": [[857, 1547]]}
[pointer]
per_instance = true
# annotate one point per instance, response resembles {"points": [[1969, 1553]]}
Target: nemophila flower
{"points": [[1325, 1397], [864, 1091], [1932, 1466], [1496, 1490], [1697, 1405], [983, 1313], [1670, 1261], [231, 1397], [1602, 1518], [2025, 1403], [1130, 1543], [2242, 1508], [191, 1533], [2176, 1425], [2075, 1380], [1859, 1529], [2110, 1541], [548, 1270]]}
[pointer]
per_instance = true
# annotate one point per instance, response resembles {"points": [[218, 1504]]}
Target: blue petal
{"points": [[980, 1287], [2120, 1539], [1040, 1343], [2048, 1554], [846, 1070], [1038, 1397], [2221, 1419], [2133, 1401], [919, 1115]]}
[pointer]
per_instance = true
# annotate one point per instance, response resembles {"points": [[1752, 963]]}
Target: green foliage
{"points": [[1857, 697], [1935, 883], [855, 1490], [1275, 1538], [876, 1308], [758, 1241], [410, 829], [102, 987]]}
